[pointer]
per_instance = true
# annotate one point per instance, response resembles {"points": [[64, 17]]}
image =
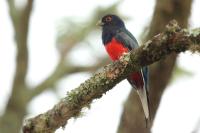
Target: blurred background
{"points": [[49, 47]]}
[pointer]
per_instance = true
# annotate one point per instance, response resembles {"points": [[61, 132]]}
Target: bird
{"points": [[119, 41]]}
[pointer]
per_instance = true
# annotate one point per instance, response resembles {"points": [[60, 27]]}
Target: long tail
{"points": [[142, 92]]}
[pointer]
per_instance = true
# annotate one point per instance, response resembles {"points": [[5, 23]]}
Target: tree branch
{"points": [[17, 102], [20, 21], [173, 40]]}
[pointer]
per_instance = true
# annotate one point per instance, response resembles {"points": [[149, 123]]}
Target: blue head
{"points": [[110, 24], [111, 20]]}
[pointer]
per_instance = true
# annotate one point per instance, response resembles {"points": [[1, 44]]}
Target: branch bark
{"points": [[172, 40]]}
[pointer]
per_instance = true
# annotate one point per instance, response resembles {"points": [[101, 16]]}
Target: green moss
{"points": [[72, 98]]}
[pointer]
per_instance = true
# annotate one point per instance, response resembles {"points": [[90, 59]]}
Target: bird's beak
{"points": [[99, 23]]}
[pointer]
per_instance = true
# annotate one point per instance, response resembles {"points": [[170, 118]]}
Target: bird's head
{"points": [[111, 21]]}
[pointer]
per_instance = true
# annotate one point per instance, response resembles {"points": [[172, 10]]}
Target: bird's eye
{"points": [[108, 19]]}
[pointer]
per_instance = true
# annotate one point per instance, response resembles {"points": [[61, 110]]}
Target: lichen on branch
{"points": [[173, 39]]}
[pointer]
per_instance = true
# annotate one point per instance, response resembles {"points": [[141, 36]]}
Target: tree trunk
{"points": [[11, 121], [132, 119]]}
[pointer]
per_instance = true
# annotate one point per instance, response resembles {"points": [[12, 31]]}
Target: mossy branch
{"points": [[173, 39]]}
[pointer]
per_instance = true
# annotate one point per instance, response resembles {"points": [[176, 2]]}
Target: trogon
{"points": [[118, 41]]}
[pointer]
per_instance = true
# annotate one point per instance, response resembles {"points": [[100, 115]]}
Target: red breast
{"points": [[115, 49]]}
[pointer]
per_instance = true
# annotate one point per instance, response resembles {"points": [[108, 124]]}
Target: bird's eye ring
{"points": [[108, 19]]}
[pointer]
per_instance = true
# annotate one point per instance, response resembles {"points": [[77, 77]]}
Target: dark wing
{"points": [[126, 38]]}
